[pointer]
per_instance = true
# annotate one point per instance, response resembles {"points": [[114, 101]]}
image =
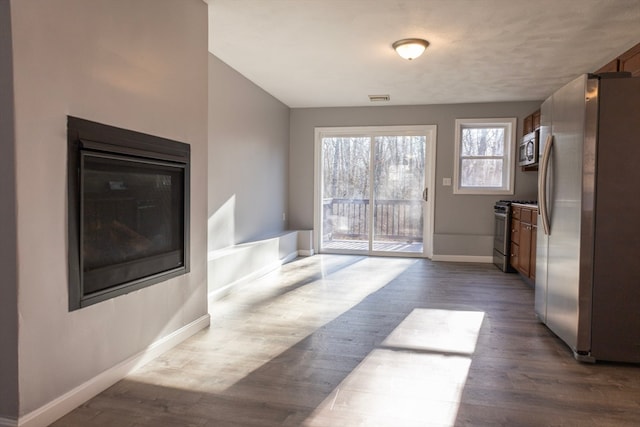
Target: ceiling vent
{"points": [[379, 98]]}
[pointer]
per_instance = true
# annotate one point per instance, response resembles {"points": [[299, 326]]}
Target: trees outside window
{"points": [[483, 156]]}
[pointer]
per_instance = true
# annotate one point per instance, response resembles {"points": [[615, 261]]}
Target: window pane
{"points": [[345, 196], [482, 141], [346, 167], [481, 173]]}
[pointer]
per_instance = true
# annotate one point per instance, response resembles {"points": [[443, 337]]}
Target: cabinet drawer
{"points": [[515, 231], [515, 212], [525, 215]]}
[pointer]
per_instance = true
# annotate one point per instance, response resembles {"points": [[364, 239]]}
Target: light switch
{"points": [[446, 181]]}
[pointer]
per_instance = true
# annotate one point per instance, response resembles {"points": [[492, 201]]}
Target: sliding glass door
{"points": [[372, 190], [398, 187]]}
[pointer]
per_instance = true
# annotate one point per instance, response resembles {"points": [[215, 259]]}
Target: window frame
{"points": [[507, 187]]}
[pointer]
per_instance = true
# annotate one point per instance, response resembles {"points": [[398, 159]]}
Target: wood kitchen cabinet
{"points": [[531, 122], [524, 230], [628, 61], [536, 119]]}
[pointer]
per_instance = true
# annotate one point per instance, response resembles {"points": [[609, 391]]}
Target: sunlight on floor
{"points": [[441, 331], [415, 379], [250, 329]]}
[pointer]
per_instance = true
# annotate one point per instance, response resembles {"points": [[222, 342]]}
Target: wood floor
{"points": [[336, 340]]}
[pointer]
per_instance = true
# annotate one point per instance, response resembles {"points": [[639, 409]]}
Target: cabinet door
{"points": [[515, 256], [534, 237], [515, 231], [524, 261], [611, 67], [527, 126], [536, 120], [630, 61]]}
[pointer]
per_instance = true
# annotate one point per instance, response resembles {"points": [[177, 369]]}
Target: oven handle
{"points": [[542, 185]]}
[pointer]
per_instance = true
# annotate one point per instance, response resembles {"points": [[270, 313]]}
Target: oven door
{"points": [[502, 242], [501, 233]]}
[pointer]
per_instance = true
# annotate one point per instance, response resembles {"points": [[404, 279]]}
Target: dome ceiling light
{"points": [[410, 48]]}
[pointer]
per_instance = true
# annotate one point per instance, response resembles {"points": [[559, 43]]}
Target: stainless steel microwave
{"points": [[528, 152]]}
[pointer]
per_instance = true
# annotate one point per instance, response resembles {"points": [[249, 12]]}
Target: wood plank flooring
{"points": [[335, 340]]}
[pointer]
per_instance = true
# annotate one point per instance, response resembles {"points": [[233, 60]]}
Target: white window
{"points": [[483, 156]]}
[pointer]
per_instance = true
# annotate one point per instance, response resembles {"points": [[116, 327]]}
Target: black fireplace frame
{"points": [[86, 137]]}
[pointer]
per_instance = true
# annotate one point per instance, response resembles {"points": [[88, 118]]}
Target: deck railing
{"points": [[393, 219]]}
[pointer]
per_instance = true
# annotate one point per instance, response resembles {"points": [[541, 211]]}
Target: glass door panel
{"points": [[345, 193], [398, 185]]}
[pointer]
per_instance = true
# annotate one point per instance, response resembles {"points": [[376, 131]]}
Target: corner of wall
{"points": [[9, 403]]}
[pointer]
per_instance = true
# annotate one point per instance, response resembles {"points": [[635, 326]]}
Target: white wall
{"points": [[140, 65], [248, 159], [463, 223], [8, 282]]}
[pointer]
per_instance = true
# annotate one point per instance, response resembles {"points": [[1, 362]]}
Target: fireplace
{"points": [[128, 196]]}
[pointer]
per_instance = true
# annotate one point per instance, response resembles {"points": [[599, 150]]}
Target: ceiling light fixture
{"points": [[410, 48]]}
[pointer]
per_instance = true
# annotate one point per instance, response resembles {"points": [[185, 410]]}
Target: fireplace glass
{"points": [[132, 211], [128, 211]]}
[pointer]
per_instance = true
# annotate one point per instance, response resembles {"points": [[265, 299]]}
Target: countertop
{"points": [[525, 205]]}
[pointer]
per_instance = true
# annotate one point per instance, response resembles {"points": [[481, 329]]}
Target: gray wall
{"points": [[8, 283], [463, 223], [140, 65], [248, 159]]}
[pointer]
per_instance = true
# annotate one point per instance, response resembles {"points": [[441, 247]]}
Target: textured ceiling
{"points": [[327, 53]]}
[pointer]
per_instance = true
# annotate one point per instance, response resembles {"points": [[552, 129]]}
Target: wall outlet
{"points": [[284, 216], [446, 182]]}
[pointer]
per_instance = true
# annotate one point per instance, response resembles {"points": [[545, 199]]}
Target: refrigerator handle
{"points": [[542, 184]]}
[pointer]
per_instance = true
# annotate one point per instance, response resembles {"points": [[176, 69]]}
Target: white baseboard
{"points": [[225, 290], [289, 258], [463, 258], [8, 422], [306, 253], [64, 404]]}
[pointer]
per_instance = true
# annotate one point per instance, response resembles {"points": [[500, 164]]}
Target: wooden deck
{"points": [[363, 245], [335, 340]]}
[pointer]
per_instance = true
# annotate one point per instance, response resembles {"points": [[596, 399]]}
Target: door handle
{"points": [[542, 185], [425, 194]]}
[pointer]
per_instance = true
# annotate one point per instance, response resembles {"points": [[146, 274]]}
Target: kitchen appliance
{"points": [[528, 151], [588, 249], [502, 233]]}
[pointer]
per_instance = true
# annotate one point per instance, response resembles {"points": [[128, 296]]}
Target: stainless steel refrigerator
{"points": [[588, 246]]}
